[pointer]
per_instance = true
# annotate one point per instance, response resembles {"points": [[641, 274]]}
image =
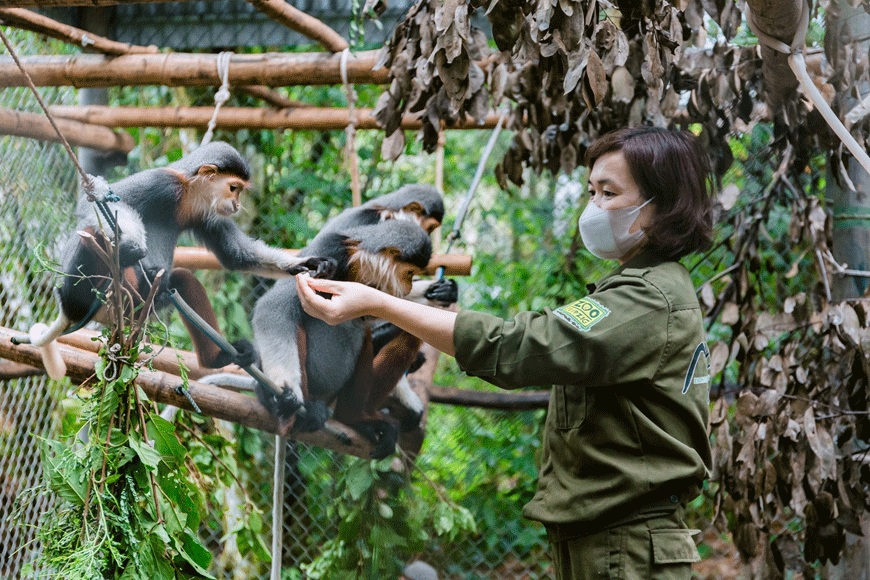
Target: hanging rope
{"points": [[799, 68], [223, 94], [350, 130]]}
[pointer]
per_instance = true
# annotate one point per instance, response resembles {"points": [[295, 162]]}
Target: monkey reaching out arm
{"points": [[199, 193]]}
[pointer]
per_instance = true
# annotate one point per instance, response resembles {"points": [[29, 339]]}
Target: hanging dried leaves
{"points": [[797, 447]]}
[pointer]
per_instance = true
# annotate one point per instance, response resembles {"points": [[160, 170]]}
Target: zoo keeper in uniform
{"points": [[625, 444]]}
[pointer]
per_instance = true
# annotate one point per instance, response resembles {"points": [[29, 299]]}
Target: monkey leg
{"points": [[389, 366], [209, 354], [316, 411], [86, 279]]}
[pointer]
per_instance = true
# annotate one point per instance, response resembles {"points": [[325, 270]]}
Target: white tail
{"points": [[44, 337]]}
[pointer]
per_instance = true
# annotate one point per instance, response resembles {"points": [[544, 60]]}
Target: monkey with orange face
{"points": [[198, 193]]}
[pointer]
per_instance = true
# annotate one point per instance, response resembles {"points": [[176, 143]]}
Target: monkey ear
{"points": [[392, 252], [207, 170], [415, 207]]}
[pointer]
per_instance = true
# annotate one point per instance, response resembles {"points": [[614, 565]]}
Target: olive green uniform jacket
{"points": [[626, 425]]}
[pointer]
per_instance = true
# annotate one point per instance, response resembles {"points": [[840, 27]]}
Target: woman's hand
{"points": [[349, 299]]}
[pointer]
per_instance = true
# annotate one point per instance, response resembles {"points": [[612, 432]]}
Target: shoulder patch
{"points": [[584, 313]]}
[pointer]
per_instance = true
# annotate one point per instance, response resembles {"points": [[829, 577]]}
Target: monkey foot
{"points": [[382, 433], [313, 418]]}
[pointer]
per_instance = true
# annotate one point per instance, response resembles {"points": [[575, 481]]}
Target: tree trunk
{"points": [[778, 19]]}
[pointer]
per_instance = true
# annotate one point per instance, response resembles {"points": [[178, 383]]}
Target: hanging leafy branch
{"points": [[126, 507]]}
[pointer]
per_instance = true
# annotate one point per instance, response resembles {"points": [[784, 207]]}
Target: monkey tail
{"points": [[44, 336], [230, 381]]}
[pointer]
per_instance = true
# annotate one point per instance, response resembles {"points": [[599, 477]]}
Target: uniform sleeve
{"points": [[616, 335]]}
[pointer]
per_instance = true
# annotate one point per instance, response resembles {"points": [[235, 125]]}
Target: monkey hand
{"points": [[314, 418], [319, 267], [382, 433], [246, 355], [444, 291]]}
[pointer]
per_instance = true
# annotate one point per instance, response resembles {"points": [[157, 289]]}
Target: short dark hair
{"points": [[671, 168]]}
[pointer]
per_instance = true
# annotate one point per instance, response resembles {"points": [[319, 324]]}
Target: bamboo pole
{"points": [[198, 258], [229, 118], [163, 387], [28, 20], [187, 70], [51, 3], [272, 97], [37, 126], [295, 19]]}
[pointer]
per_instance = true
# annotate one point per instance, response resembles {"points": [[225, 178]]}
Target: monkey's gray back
{"points": [[332, 351]]}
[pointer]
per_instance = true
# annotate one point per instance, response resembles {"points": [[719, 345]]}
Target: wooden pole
{"points": [[230, 118], [37, 126], [295, 19], [198, 258], [188, 70], [28, 20], [163, 387], [48, 3]]}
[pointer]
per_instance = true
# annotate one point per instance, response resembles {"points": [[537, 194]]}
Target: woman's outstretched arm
{"points": [[352, 300]]}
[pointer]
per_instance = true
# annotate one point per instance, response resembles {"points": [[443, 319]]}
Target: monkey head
{"points": [[387, 255], [421, 204]]}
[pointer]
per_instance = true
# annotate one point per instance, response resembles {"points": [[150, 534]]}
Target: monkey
{"points": [[316, 363], [421, 204], [197, 193]]}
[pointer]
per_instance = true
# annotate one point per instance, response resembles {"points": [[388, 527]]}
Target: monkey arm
{"points": [[352, 300], [237, 251]]}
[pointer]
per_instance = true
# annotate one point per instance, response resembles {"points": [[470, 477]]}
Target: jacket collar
{"points": [[646, 258]]}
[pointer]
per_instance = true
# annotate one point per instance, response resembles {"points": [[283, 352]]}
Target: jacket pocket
{"points": [[674, 546], [570, 406]]}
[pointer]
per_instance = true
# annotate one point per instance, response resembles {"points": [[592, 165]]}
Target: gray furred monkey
{"points": [[421, 204], [197, 193], [317, 363]]}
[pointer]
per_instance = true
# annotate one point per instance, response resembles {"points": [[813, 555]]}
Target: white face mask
{"points": [[605, 231]]}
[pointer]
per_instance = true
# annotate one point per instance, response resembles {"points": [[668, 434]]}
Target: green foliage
{"points": [[125, 507], [381, 522]]}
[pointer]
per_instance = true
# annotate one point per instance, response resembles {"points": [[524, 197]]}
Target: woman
{"points": [[625, 442]]}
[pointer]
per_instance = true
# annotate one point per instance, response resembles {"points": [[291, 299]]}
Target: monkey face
{"points": [[227, 189]]}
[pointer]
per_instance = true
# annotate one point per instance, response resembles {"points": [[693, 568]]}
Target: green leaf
{"points": [[193, 553], [162, 432], [359, 480], [147, 454], [67, 482]]}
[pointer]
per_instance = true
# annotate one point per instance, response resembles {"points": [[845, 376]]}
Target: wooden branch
{"points": [[47, 3], [506, 401], [37, 126], [163, 388], [295, 19], [28, 20], [234, 118], [272, 97], [198, 258], [188, 70], [13, 370]]}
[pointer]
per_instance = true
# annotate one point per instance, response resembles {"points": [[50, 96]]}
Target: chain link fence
{"points": [[38, 186]]}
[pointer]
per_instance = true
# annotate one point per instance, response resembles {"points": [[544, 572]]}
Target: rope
{"points": [[350, 146], [799, 68], [223, 94]]}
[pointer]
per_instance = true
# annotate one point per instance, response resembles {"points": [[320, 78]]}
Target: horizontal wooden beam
{"points": [[188, 70], [164, 387], [505, 401], [234, 118], [198, 258], [52, 3], [78, 134]]}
